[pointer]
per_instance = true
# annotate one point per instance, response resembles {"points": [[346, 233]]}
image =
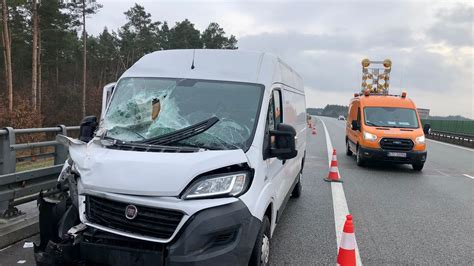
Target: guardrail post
{"points": [[61, 151], [7, 154], [7, 166]]}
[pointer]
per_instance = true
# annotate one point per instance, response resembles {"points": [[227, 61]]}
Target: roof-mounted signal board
{"points": [[376, 76]]}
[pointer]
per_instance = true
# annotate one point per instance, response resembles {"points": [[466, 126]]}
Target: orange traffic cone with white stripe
{"points": [[347, 255], [333, 175]]}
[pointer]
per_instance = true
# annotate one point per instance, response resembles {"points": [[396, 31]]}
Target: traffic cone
{"points": [[347, 255], [313, 131], [333, 170]]}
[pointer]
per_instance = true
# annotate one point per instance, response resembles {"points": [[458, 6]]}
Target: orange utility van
{"points": [[386, 128], [381, 126]]}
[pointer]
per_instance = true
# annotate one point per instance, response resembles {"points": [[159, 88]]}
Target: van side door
{"points": [[275, 166], [352, 135]]}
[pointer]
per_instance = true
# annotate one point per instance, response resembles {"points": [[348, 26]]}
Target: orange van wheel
{"points": [[348, 149], [359, 160]]}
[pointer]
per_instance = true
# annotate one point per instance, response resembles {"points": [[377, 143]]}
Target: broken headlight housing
{"points": [[222, 185]]}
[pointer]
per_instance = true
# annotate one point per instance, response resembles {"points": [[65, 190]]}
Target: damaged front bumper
{"points": [[223, 235]]}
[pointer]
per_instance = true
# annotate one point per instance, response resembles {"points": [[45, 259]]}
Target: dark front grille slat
{"points": [[154, 222], [136, 222], [111, 223], [396, 144], [145, 212]]}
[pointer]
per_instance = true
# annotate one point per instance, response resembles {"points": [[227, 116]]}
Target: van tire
{"points": [[261, 251], [348, 149], [359, 160], [296, 193], [418, 166]]}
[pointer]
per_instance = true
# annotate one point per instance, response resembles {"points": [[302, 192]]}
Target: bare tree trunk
{"points": [[3, 108], [40, 91], [34, 60], [57, 72], [8, 53], [84, 69]]}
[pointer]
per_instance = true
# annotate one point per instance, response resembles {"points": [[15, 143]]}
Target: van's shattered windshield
{"points": [[145, 108], [390, 117]]}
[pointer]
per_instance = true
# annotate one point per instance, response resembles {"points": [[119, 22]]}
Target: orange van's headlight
{"points": [[369, 136], [420, 139]]}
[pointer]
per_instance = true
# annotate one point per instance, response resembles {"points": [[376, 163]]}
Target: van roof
{"points": [[386, 101], [228, 65]]}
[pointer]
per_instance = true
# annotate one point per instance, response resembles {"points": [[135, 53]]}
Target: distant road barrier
{"points": [[451, 126], [21, 187], [459, 139], [452, 131]]}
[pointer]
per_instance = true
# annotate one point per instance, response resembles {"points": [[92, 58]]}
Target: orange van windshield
{"points": [[390, 117]]}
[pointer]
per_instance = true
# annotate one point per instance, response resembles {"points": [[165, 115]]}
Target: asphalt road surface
{"points": [[400, 216]]}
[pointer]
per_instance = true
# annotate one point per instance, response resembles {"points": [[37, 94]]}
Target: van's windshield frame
{"points": [[371, 124], [261, 90]]}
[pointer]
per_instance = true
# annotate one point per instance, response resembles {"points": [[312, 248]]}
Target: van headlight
{"points": [[420, 139], [369, 136], [233, 185]]}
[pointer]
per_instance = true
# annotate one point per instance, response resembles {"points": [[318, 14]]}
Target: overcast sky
{"points": [[429, 42]]}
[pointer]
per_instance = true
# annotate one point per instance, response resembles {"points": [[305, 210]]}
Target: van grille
{"points": [[396, 144], [154, 222]]}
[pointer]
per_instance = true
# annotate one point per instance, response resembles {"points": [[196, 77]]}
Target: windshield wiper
{"points": [[372, 124], [114, 143], [182, 134]]}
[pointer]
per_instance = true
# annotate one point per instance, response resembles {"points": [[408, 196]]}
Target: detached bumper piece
{"points": [[409, 157], [223, 235]]}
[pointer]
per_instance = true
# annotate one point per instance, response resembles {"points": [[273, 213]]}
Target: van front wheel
{"points": [[348, 149], [359, 160], [261, 251], [418, 166], [296, 193]]}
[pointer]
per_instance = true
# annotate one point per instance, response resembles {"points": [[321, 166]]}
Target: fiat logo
{"points": [[131, 212]]}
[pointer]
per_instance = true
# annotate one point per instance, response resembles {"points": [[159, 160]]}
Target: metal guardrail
{"points": [[454, 138], [21, 187]]}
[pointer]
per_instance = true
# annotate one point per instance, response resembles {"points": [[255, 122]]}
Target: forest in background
{"points": [[49, 64]]}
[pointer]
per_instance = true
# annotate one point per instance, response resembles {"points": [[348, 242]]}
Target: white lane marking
{"points": [[339, 202], [5, 248], [451, 145], [443, 173], [21, 261], [466, 175]]}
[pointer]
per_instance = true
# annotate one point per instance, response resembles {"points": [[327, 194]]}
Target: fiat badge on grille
{"points": [[131, 212]]}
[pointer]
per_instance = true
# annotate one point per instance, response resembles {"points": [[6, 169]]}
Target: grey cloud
{"points": [[453, 26], [457, 35], [333, 62], [459, 14]]}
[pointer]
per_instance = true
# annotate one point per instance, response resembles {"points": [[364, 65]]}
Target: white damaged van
{"points": [[191, 163]]}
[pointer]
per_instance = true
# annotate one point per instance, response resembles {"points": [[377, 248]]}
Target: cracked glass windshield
{"points": [[144, 108]]}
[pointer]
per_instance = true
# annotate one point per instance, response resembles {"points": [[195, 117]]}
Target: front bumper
{"points": [[223, 235], [412, 157]]}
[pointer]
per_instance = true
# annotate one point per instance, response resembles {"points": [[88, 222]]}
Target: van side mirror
{"points": [[285, 145], [106, 95], [355, 125], [87, 128], [427, 129]]}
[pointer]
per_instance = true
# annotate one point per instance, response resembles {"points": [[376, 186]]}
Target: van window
{"points": [[143, 108], [277, 106], [390, 117], [275, 114]]}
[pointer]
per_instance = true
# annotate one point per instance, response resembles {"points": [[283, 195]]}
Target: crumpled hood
{"points": [[145, 173]]}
